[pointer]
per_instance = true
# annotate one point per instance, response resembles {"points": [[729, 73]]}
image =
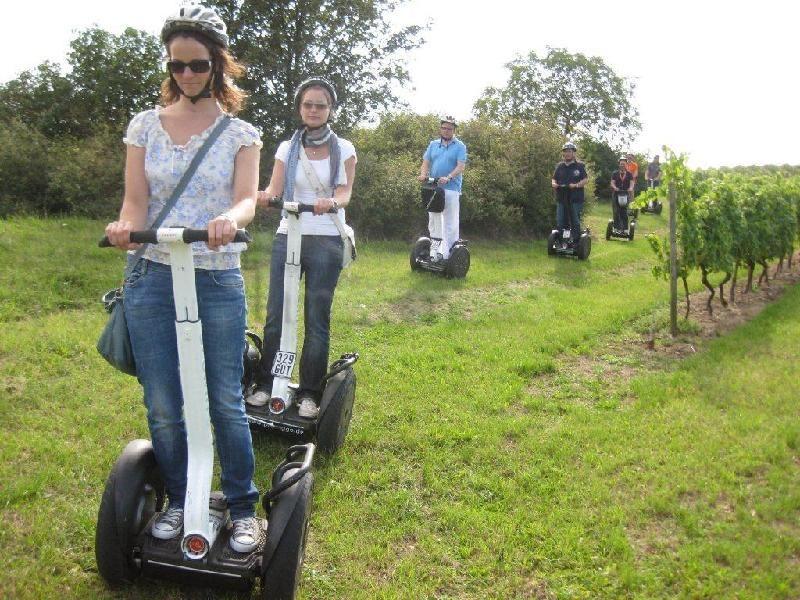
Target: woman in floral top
{"points": [[220, 197]]}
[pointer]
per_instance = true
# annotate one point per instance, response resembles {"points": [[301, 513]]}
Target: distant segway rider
{"points": [[220, 197], [621, 181], [653, 174], [571, 173], [334, 162], [445, 159]]}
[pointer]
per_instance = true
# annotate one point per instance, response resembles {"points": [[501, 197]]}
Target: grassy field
{"points": [[463, 476]]}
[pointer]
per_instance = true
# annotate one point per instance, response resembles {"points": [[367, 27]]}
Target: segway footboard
{"points": [[222, 567]]}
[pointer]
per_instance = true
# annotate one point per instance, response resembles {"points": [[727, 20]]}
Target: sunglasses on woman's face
{"points": [[197, 66]]}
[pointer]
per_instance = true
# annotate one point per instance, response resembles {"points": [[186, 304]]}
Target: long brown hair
{"points": [[223, 71]]}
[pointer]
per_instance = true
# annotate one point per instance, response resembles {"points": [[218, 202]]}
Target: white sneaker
{"points": [[246, 535], [308, 408], [169, 524], [258, 398]]}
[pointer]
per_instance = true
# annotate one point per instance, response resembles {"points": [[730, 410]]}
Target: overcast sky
{"points": [[715, 80]]}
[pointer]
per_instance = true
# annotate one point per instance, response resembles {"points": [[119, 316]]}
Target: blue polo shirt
{"points": [[443, 160]]}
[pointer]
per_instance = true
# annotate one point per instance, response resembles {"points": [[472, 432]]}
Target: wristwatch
{"points": [[335, 204]]}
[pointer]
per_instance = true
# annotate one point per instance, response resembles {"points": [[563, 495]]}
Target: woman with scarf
{"points": [[334, 162]]}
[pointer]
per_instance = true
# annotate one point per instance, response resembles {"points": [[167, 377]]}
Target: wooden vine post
{"points": [[673, 260]]}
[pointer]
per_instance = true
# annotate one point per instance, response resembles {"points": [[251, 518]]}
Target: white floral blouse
{"points": [[209, 192]]}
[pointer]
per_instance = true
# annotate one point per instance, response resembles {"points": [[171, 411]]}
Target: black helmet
{"points": [[199, 19], [311, 82], [569, 146], [448, 119]]}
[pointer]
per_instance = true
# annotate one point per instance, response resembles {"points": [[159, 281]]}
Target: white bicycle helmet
{"points": [[569, 146], [199, 19], [448, 119], [311, 82]]}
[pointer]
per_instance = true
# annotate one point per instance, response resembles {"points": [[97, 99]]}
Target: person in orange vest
{"points": [[632, 167]]}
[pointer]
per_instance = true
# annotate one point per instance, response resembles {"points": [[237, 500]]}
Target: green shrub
{"points": [[24, 169]]}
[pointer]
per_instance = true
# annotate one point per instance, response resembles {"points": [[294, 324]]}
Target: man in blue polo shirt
{"points": [[445, 159], [572, 174]]}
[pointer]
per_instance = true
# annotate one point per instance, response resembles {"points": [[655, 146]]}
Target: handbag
{"points": [[346, 232], [114, 343]]}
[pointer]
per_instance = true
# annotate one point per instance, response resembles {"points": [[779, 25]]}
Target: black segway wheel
{"points": [[335, 421], [631, 231], [657, 208], [609, 230], [420, 251], [280, 576], [584, 247], [551, 242], [134, 492], [458, 263]]}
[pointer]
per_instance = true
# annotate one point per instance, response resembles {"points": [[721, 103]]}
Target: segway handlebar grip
{"points": [[301, 208], [149, 236]]}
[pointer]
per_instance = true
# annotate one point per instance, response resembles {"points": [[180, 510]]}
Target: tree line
{"points": [[60, 132]]}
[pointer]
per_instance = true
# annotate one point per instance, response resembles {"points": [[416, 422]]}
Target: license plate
{"points": [[283, 364]]}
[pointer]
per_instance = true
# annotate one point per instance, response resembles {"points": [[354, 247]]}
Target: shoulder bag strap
{"points": [[184, 181], [313, 179]]}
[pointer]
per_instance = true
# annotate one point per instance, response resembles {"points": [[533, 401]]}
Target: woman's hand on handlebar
{"points": [[221, 231], [422, 178], [119, 234], [262, 197], [323, 205]]}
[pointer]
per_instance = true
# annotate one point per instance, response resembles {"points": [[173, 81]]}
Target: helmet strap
{"points": [[204, 93]]}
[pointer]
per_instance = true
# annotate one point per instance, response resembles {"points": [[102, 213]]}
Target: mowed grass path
{"points": [[459, 479]]}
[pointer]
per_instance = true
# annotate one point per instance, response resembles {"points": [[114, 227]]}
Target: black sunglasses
{"points": [[197, 66]]}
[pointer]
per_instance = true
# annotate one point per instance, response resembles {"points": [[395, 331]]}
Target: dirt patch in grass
{"points": [[704, 325]]}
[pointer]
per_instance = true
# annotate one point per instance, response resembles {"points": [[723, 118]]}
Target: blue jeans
{"points": [[320, 263], [150, 312], [563, 223]]}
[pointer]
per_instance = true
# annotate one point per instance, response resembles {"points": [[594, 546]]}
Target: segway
{"points": [[427, 253], [560, 242], [615, 227], [653, 206], [280, 414], [134, 493]]}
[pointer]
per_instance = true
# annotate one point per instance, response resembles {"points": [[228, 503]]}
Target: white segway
{"points": [[428, 252], [134, 492], [331, 425]]}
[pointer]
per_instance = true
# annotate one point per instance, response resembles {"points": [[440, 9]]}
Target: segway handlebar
{"points": [[290, 462], [174, 234], [295, 207]]}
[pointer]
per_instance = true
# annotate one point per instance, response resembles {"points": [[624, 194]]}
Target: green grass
{"points": [[462, 475]]}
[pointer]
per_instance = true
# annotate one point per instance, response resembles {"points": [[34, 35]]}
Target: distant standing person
{"points": [[445, 159], [653, 174], [570, 173], [633, 167]]}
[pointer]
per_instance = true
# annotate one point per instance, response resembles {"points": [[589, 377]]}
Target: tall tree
{"points": [[41, 98], [350, 42], [571, 91], [112, 77], [115, 76]]}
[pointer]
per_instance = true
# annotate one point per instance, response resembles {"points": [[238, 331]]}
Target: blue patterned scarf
{"points": [[294, 159]]}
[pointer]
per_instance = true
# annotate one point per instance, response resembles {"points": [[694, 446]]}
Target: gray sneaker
{"points": [[246, 534], [259, 397], [308, 409], [169, 524]]}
